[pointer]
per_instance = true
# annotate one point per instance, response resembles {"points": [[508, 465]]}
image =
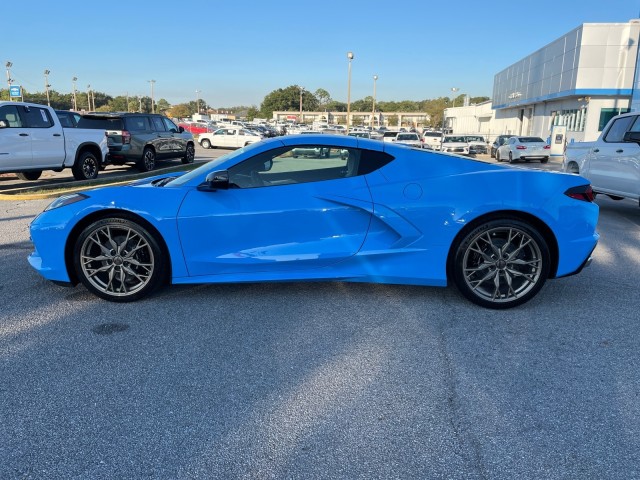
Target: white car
{"points": [[431, 140], [455, 144], [524, 148], [228, 138], [409, 138]]}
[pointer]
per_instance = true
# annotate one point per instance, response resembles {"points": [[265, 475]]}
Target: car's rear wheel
{"points": [[35, 175], [205, 143], [86, 167], [118, 260], [501, 264], [510, 157], [190, 154], [148, 160], [544, 160]]}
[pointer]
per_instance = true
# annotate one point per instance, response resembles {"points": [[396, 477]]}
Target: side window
{"points": [[158, 124], [171, 127], [292, 165], [9, 113], [617, 130], [636, 125], [138, 124], [37, 117]]}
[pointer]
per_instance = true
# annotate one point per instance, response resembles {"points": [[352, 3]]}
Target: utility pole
{"points": [[75, 100], [153, 110], [9, 79], [46, 85]]}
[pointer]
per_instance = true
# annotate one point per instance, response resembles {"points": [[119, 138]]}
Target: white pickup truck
{"points": [[32, 139], [612, 162]]}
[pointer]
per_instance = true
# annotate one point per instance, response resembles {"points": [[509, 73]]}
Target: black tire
{"points": [[510, 157], [493, 154], [86, 167], [544, 160], [190, 154], [205, 143], [31, 176], [498, 159], [148, 160], [501, 264], [118, 260]]}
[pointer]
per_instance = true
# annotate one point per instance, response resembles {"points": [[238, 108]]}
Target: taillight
{"points": [[126, 137], [582, 192], [547, 147], [521, 147]]}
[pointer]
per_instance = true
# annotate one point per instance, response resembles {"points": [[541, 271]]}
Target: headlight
{"points": [[66, 200]]}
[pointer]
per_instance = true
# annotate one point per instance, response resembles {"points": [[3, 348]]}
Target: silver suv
{"points": [[141, 138]]}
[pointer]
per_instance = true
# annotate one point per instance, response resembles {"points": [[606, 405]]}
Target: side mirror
{"points": [[4, 124], [215, 181], [632, 137], [180, 129]]}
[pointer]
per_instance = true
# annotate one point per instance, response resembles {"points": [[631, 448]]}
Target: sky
{"points": [[232, 53]]}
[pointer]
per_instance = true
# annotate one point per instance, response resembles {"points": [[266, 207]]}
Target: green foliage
{"points": [[252, 113], [288, 99]]}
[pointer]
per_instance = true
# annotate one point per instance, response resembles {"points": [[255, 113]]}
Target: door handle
{"points": [[23, 134], [57, 135], [619, 150]]}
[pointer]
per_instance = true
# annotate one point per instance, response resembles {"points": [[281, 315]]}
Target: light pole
{"points": [[153, 110], [198, 100], [300, 117], [88, 97], [75, 100], [350, 57], [454, 90], [373, 109], [9, 79], [46, 85]]}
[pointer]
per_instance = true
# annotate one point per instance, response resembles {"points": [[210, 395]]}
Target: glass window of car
{"points": [[530, 140], [9, 113], [36, 117], [138, 123], [170, 126], [620, 126], [158, 124]]}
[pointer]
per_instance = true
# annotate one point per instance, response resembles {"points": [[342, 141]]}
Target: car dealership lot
{"points": [[327, 380]]}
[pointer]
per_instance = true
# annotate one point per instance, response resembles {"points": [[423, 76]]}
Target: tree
{"points": [[162, 106], [288, 99], [252, 113], [323, 97], [179, 111]]}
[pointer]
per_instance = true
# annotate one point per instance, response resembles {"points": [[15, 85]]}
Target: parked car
{"points": [[432, 140], [33, 139], [455, 144], [477, 144], [499, 141], [196, 128], [231, 137], [259, 214], [142, 138], [523, 148], [407, 138], [389, 135], [612, 162]]}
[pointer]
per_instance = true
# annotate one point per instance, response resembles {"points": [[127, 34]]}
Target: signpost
{"points": [[15, 91]]}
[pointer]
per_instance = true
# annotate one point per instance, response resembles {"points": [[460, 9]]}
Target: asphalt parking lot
{"points": [[321, 380]]}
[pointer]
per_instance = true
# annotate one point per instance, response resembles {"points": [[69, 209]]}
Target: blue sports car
{"points": [[349, 209]]}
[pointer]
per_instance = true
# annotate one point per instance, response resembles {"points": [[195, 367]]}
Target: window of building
{"points": [[607, 114], [573, 119]]}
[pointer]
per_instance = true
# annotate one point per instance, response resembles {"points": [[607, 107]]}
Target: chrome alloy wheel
{"points": [[502, 264], [117, 260]]}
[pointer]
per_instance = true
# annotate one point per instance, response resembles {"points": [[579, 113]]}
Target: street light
{"points": [[75, 100], [198, 100], [350, 57], [301, 90], [373, 109], [46, 85], [454, 90], [9, 79], [88, 97], [153, 110]]}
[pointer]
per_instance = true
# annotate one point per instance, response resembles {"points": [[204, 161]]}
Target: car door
{"points": [[15, 141], [615, 164], [178, 140], [47, 137], [308, 213], [164, 139]]}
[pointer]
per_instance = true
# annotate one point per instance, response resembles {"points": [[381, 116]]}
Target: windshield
{"points": [[530, 140], [455, 140], [209, 166]]}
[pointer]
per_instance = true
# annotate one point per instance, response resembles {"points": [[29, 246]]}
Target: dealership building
{"points": [[577, 82]]}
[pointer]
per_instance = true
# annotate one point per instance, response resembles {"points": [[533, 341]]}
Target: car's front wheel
{"points": [[189, 155], [148, 160], [205, 143], [118, 259], [498, 159], [501, 264], [34, 175], [510, 157]]}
